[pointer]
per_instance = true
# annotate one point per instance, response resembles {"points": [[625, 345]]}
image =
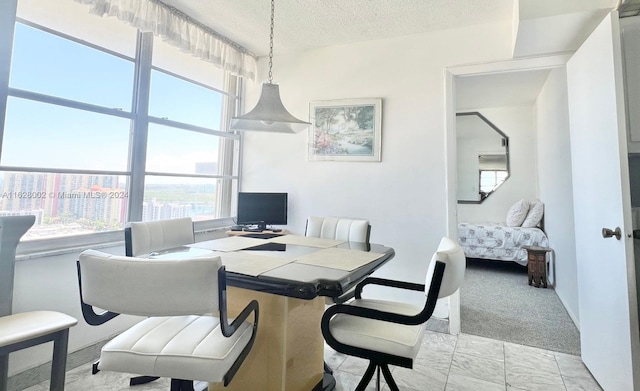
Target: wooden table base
{"points": [[288, 352]]}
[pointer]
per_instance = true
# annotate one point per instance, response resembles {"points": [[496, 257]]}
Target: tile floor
{"points": [[445, 363]]}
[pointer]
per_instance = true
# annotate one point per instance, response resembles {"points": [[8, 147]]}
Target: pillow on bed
{"points": [[517, 213], [536, 210]]}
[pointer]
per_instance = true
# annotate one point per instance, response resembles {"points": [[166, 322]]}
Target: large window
{"points": [[49, 64], [100, 132]]}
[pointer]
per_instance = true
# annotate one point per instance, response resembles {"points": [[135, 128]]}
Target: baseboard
{"points": [[37, 375], [571, 314]]}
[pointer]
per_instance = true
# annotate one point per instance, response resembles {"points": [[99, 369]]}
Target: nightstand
{"points": [[537, 265]]}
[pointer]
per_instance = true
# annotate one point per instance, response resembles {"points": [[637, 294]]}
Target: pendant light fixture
{"points": [[269, 115]]}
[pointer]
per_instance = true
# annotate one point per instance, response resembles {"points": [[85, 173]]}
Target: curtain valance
{"points": [[180, 30]]}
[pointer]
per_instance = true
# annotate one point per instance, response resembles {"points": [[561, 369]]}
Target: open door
{"points": [[605, 261]]}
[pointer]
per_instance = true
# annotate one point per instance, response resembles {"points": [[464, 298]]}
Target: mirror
{"points": [[483, 157]]}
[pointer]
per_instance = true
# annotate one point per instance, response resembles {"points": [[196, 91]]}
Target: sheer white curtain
{"points": [[178, 29]]}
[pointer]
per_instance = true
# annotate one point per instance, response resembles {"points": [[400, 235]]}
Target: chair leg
{"points": [[368, 375], [187, 385], [387, 376], [59, 361], [181, 385], [137, 380], [94, 367], [327, 368], [4, 371]]}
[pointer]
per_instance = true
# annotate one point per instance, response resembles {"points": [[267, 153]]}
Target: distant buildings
{"points": [[64, 196], [71, 204], [153, 210]]}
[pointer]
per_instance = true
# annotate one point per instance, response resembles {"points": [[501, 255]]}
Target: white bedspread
{"points": [[497, 241]]}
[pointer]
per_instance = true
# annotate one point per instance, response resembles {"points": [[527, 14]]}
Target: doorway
{"points": [[492, 88]]}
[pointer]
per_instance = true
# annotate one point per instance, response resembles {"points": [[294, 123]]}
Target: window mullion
{"points": [[140, 126], [226, 151], [8, 11]]}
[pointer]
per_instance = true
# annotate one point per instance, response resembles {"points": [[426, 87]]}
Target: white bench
{"points": [[26, 329]]}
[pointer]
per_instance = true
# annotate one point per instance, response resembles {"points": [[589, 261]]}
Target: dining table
{"points": [[290, 276]]}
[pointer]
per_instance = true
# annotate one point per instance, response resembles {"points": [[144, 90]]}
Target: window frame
{"points": [[137, 114]]}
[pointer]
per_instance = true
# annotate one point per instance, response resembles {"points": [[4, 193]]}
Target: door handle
{"points": [[607, 233]]}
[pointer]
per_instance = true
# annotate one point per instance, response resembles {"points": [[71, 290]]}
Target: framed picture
{"points": [[345, 130]]}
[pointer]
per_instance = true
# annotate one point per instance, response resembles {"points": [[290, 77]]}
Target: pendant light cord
{"points": [[271, 42]]}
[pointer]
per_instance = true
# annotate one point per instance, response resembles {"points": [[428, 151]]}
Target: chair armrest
{"points": [[93, 318], [371, 313], [393, 317], [90, 316], [386, 282], [229, 329]]}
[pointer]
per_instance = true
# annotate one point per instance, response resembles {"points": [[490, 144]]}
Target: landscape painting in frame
{"points": [[346, 130]]}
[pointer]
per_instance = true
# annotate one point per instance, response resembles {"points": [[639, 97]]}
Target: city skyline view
{"points": [[72, 204]]}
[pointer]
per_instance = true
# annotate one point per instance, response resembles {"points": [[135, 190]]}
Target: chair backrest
{"points": [[148, 287], [143, 237], [11, 230], [353, 230], [451, 254]]}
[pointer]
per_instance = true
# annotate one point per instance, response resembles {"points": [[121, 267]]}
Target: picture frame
{"points": [[345, 130]]}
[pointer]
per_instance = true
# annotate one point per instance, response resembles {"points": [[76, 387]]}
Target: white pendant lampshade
{"points": [[269, 115]]}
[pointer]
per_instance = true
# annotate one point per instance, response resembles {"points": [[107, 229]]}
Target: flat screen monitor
{"points": [[262, 209]]}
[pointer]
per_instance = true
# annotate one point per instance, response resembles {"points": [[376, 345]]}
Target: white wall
{"points": [[404, 195], [518, 123], [555, 186]]}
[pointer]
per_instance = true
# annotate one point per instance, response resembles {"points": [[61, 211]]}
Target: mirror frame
{"points": [[505, 139]]}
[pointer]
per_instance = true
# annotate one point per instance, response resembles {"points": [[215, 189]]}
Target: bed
{"points": [[498, 241]]}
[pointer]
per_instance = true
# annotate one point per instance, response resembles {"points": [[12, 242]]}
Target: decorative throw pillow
{"points": [[536, 210], [517, 213]]}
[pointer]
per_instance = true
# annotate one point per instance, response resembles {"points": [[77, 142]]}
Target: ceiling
{"points": [[518, 88], [307, 24], [302, 25]]}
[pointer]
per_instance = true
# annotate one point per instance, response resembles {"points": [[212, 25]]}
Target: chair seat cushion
{"points": [[387, 337], [184, 347]]}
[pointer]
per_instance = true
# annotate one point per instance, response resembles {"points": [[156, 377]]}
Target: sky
{"points": [[44, 135]]}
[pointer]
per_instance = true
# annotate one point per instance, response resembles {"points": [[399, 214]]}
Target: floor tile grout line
{"points": [[504, 356], [453, 354], [555, 358]]}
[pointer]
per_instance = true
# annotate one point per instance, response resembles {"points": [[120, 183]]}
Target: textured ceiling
{"points": [[307, 24]]}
